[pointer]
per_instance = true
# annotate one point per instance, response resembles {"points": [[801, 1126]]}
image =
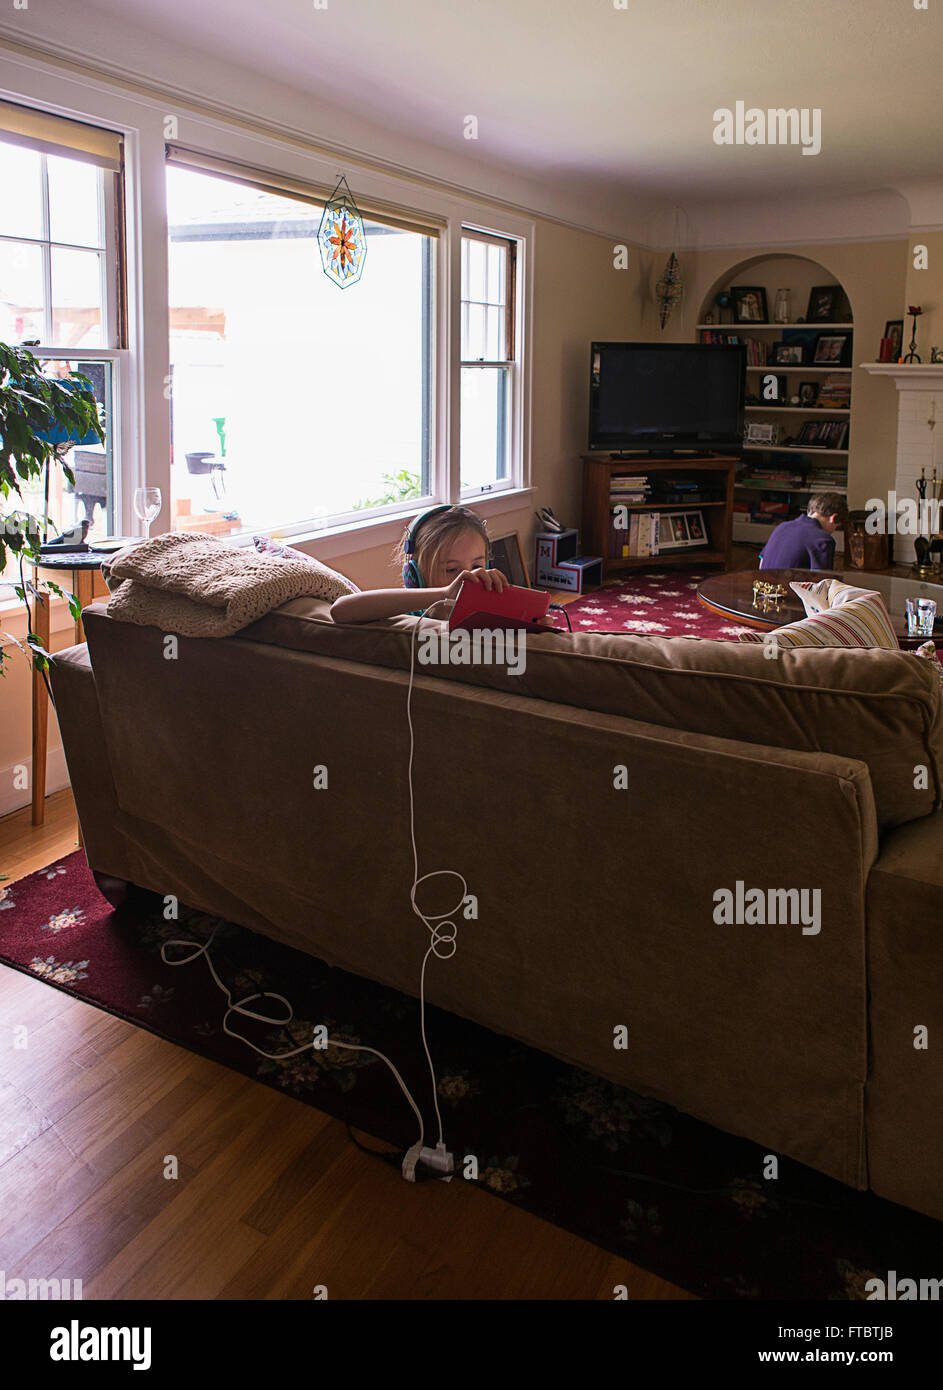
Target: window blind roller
{"points": [[405, 220], [38, 130]]}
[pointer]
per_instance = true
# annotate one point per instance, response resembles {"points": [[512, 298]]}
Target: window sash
{"points": [[112, 444], [509, 246], [110, 259], [504, 430]]}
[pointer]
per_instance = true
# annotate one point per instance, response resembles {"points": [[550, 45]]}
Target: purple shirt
{"points": [[800, 544]]}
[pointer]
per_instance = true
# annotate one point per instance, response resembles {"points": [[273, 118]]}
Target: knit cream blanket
{"points": [[199, 586]]}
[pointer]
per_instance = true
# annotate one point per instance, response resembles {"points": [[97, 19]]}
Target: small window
{"points": [[293, 402], [61, 280], [488, 360]]}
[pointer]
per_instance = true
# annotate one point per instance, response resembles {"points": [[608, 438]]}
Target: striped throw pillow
{"points": [[860, 622], [814, 596]]}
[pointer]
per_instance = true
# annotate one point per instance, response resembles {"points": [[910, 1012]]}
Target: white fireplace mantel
{"points": [[919, 403], [908, 376]]}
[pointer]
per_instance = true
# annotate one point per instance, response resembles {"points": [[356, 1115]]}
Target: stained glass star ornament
{"points": [[341, 238]]}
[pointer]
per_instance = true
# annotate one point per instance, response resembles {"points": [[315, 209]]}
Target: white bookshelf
{"points": [[800, 274]]}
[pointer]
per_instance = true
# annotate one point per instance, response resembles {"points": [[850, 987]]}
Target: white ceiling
{"points": [[620, 101]]}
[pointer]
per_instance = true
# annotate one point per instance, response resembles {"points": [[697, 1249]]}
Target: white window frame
{"points": [[142, 369], [110, 288], [512, 366]]}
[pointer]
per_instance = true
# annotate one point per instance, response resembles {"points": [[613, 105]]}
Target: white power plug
{"points": [[439, 1160]]}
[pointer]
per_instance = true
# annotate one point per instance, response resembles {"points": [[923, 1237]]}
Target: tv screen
{"points": [[673, 395]]}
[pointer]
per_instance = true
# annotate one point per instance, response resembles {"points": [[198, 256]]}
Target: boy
{"points": [[806, 542]]}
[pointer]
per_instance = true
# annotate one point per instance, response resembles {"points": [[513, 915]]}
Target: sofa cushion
{"points": [[878, 706], [857, 622]]}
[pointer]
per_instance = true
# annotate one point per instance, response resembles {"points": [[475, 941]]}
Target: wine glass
{"points": [[147, 503]]}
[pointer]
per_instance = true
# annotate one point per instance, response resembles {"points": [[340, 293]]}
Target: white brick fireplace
{"points": [[919, 400]]}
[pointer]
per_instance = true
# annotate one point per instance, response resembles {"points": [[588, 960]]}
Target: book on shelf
{"points": [[756, 351], [826, 482], [629, 490], [777, 479], [638, 538], [834, 393]]}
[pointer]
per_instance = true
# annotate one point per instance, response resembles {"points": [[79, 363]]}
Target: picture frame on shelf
{"points": [[696, 533], [507, 555], [787, 355], [894, 329], [749, 304], [681, 530], [830, 349], [823, 304], [760, 432], [808, 394]]}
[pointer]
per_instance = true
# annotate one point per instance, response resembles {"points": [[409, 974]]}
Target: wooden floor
{"points": [[272, 1199]]}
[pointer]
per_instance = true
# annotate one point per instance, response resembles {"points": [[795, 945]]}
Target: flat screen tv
{"points": [[666, 395]]}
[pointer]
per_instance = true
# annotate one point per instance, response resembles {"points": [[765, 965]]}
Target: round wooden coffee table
{"points": [[731, 595]]}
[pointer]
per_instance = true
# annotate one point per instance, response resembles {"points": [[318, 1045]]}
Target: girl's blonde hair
{"points": [[434, 533]]}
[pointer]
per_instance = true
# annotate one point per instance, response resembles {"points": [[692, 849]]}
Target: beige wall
{"points": [[925, 287]]}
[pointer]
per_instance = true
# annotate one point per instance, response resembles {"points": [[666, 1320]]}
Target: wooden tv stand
{"points": [[718, 515]]}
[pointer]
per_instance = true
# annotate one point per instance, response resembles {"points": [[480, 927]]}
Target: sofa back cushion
{"points": [[880, 707]]}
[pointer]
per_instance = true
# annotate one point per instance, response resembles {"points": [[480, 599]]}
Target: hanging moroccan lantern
{"points": [[669, 289]]}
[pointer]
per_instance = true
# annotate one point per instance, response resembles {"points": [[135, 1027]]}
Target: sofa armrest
{"points": [[76, 700], [905, 965]]}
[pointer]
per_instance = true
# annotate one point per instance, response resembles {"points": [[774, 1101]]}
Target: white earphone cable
{"points": [[438, 936]]}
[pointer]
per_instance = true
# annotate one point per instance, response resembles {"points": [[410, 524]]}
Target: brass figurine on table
{"points": [[767, 596]]}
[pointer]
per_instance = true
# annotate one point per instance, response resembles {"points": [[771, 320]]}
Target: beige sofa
{"points": [[821, 770]]}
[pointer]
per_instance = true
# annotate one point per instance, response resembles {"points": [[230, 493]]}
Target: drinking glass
{"points": [[921, 616], [147, 503], [926, 616]]}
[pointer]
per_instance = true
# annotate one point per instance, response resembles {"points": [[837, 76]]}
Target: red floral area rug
{"points": [[631, 1175], [659, 603]]}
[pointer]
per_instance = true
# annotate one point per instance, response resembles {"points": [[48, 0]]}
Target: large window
{"points": [[488, 357], [60, 281], [292, 400]]}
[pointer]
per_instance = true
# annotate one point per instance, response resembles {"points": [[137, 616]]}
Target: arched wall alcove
{"points": [[809, 469], [782, 270]]}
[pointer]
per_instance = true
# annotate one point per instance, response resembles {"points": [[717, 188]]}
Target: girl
{"points": [[443, 547]]}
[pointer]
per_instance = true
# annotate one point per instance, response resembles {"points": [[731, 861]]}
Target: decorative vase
{"points": [[782, 312]]}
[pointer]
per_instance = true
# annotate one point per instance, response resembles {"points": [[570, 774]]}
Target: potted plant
{"points": [[39, 417]]}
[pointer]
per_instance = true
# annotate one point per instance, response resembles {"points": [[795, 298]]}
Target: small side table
{"points": [[75, 571]]}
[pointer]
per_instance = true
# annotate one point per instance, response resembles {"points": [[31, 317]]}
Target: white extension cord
{"points": [[439, 1160]]}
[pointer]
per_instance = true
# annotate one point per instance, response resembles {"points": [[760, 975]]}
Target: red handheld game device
{"points": [[508, 608]]}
